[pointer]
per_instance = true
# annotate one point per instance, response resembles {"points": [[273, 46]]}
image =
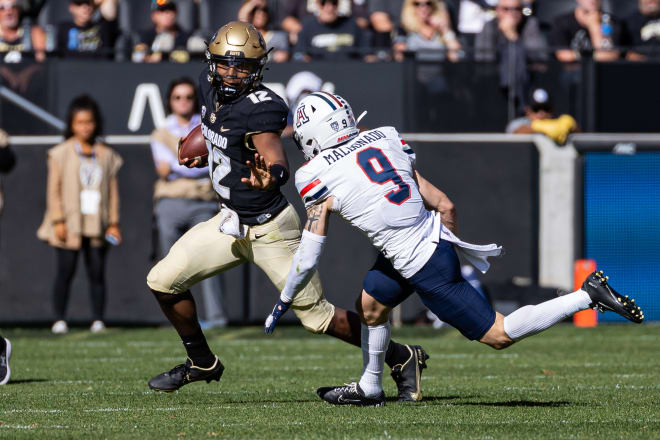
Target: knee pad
{"points": [[315, 317]]}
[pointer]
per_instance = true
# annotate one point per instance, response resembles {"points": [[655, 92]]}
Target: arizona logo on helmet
{"points": [[302, 117]]}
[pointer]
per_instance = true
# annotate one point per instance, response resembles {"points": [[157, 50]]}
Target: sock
{"points": [[396, 354], [198, 350], [371, 381], [530, 320], [365, 344]]}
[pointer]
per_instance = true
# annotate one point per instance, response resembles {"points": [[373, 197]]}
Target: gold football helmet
{"points": [[240, 46]]}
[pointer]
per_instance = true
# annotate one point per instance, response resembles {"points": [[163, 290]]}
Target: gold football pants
{"points": [[204, 251]]}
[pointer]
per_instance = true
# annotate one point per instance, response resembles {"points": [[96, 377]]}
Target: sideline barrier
{"points": [[510, 189]]}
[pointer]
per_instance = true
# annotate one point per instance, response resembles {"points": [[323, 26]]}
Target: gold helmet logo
{"points": [[238, 39]]}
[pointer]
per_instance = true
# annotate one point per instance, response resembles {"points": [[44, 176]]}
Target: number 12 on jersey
{"points": [[220, 166], [379, 169]]}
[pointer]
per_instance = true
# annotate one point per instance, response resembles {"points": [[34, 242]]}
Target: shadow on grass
{"points": [[431, 398], [20, 381], [529, 403]]}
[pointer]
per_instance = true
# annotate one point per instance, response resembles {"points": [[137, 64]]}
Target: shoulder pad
{"points": [[266, 110]]}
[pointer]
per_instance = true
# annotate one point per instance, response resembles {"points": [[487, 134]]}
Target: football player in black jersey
{"points": [[241, 122]]}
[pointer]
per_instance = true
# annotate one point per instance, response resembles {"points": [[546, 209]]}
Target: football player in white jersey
{"points": [[370, 180]]}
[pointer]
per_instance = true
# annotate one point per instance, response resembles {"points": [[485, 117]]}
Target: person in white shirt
{"points": [[370, 180]]}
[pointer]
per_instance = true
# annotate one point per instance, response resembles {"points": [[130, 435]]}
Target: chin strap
{"points": [[362, 115]]}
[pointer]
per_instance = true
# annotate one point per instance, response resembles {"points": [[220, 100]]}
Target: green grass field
{"points": [[567, 383]]}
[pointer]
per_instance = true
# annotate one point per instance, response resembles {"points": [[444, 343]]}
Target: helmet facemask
{"points": [[246, 74]]}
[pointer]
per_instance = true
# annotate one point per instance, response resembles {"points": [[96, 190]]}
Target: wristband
{"points": [[279, 174]]}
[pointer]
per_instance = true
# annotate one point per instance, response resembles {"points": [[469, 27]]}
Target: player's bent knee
{"points": [[372, 311], [375, 317], [159, 281], [315, 318], [496, 337], [165, 276]]}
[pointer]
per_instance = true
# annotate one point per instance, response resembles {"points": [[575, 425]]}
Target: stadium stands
{"points": [[202, 17]]}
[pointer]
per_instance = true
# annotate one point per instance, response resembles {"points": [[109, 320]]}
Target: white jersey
{"points": [[371, 180]]}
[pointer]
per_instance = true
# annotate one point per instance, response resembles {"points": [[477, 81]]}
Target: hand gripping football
{"points": [[193, 146]]}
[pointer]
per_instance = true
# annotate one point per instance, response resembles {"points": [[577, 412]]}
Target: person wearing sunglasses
{"points": [[428, 28], [19, 42]]}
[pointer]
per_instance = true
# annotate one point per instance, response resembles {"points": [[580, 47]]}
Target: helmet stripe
{"points": [[334, 98], [318, 95]]}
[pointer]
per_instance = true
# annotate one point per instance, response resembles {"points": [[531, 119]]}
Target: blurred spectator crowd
{"points": [[304, 30]]}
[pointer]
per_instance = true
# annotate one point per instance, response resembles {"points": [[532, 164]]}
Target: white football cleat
{"points": [[5, 355], [60, 327], [97, 326]]}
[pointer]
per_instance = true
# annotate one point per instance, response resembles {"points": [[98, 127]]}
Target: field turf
{"points": [[567, 383]]}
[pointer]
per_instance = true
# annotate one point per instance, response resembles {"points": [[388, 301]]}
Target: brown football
{"points": [[193, 146]]}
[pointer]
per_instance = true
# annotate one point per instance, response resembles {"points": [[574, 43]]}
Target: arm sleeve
{"points": [[162, 153], [113, 201], [310, 188], [113, 193], [54, 191], [303, 265]]}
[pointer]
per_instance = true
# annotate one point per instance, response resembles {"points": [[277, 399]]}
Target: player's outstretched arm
{"points": [[304, 261], [270, 167], [436, 200]]}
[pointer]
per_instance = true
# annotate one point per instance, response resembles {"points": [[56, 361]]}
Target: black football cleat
{"points": [[5, 355], [408, 375], [604, 298], [349, 394], [184, 374]]}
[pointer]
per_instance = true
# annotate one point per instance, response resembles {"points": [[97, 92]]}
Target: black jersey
{"points": [[228, 129]]}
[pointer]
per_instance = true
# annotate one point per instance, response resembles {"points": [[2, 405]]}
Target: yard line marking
{"points": [[33, 427], [102, 410]]}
